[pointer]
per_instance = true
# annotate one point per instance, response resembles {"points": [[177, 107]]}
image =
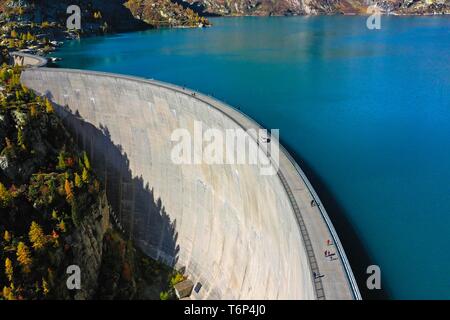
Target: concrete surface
{"points": [[236, 233]]}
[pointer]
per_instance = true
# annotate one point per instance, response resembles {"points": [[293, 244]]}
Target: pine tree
{"points": [[9, 269], [30, 37], [78, 181], [33, 111], [21, 138], [6, 236], [8, 293], [45, 288], [68, 190], [85, 175], [37, 236], [62, 226], [61, 161], [5, 196], [23, 257], [87, 164], [48, 106]]}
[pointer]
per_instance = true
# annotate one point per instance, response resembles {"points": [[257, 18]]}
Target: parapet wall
{"points": [[231, 228]]}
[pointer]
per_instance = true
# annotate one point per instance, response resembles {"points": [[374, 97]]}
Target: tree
{"points": [[85, 175], [68, 190], [45, 287], [23, 257], [21, 138], [61, 161], [5, 196], [87, 164], [9, 269], [6, 236], [33, 111], [78, 181], [8, 293], [55, 214], [62, 226], [37, 236], [30, 37], [13, 34], [48, 106]]}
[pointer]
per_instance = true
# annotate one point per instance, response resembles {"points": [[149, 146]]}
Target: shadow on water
{"points": [[354, 249], [136, 211]]}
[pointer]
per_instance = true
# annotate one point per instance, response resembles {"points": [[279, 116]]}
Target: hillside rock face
{"points": [[99, 16], [88, 245], [312, 7], [164, 13]]}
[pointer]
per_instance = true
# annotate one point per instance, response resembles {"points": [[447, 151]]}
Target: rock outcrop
{"points": [[100, 16], [314, 7]]}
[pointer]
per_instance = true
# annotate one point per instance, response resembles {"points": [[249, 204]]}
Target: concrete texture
{"points": [[236, 233]]}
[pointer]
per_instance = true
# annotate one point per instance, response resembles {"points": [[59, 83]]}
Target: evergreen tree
{"points": [[8, 293], [9, 269], [61, 161], [21, 138], [62, 226], [68, 190], [24, 257], [87, 164], [78, 181], [37, 236], [45, 287], [85, 175], [6, 236], [48, 106], [5, 196]]}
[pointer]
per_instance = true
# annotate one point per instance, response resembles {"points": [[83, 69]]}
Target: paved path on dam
{"points": [[334, 277]]}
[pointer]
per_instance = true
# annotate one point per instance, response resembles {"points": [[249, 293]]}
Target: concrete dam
{"points": [[235, 233]]}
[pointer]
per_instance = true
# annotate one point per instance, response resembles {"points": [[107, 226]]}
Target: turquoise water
{"points": [[367, 113]]}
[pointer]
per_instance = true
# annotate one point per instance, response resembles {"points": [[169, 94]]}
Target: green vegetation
{"points": [[49, 197]]}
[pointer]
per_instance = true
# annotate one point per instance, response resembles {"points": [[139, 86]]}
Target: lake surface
{"points": [[366, 112]]}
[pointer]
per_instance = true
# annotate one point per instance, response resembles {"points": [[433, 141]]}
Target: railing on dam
{"points": [[239, 119]]}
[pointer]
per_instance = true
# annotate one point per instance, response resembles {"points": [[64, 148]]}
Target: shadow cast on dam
{"points": [[135, 210]]}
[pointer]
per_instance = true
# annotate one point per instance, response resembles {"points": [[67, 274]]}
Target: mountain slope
{"points": [[298, 7]]}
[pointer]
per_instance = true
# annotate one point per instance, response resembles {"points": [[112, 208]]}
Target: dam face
{"points": [[236, 233], [230, 228]]}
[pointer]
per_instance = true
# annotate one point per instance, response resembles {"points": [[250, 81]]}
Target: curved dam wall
{"points": [[231, 228], [236, 233]]}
